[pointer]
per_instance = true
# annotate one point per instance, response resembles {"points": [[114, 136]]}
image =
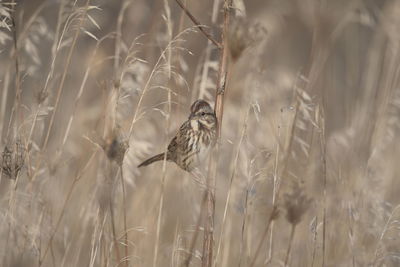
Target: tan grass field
{"points": [[306, 172]]}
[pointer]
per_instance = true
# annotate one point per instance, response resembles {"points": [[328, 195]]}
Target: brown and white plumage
{"points": [[194, 139]]}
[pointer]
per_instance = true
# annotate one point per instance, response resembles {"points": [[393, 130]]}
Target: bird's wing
{"points": [[179, 144]]}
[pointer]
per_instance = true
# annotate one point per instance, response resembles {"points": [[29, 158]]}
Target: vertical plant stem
{"points": [[64, 75], [228, 197], [382, 235], [314, 243], [168, 53], [292, 232], [242, 233], [17, 103], [79, 96], [164, 171], [61, 85], [323, 158], [206, 66], [223, 68], [159, 216], [264, 234], [15, 110], [208, 242], [118, 38], [4, 96], [197, 230], [66, 201], [17, 38], [275, 188], [274, 211], [114, 232], [124, 213], [49, 75]]}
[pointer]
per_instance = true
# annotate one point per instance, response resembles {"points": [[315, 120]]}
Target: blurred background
{"points": [[90, 88]]}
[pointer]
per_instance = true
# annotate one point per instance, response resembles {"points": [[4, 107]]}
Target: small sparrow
{"points": [[194, 139]]}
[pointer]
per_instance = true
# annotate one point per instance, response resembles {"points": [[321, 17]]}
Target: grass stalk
{"points": [[64, 74], [124, 208], [274, 193], [159, 215], [274, 211], [198, 24], [289, 248], [63, 209], [382, 235], [243, 228], [168, 55], [324, 177], [228, 197], [315, 235], [197, 231], [118, 39], [78, 96], [208, 242], [264, 234], [43, 93], [114, 232]]}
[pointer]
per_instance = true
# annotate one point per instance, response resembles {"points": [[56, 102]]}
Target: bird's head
{"points": [[203, 113]]}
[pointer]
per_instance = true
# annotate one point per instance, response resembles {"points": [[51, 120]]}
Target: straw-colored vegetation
{"points": [[305, 172]]}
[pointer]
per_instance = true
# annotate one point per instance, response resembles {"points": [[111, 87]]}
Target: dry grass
{"points": [[305, 170]]}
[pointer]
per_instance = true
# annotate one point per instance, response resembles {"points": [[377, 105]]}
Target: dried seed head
{"points": [[296, 204], [13, 157], [115, 147], [275, 212], [237, 38], [42, 96], [243, 34]]}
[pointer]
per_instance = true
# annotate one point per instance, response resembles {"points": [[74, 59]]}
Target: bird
{"points": [[193, 141]]}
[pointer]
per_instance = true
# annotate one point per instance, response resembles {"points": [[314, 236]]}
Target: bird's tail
{"points": [[152, 159]]}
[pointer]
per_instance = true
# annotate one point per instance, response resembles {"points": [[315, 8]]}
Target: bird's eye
{"points": [[203, 113]]}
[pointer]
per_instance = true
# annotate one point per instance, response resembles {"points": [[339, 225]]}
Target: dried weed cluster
{"points": [[13, 158]]}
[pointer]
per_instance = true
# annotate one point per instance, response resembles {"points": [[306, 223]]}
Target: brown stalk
{"points": [[60, 87], [208, 242], [79, 96], [198, 24], [323, 158], [264, 234], [274, 190], [118, 39], [197, 231], [168, 122], [117, 52], [314, 250], [228, 197], [17, 72], [275, 210], [43, 92], [289, 249], [125, 218], [114, 234], [67, 198], [64, 75], [18, 37], [15, 111], [243, 228]]}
